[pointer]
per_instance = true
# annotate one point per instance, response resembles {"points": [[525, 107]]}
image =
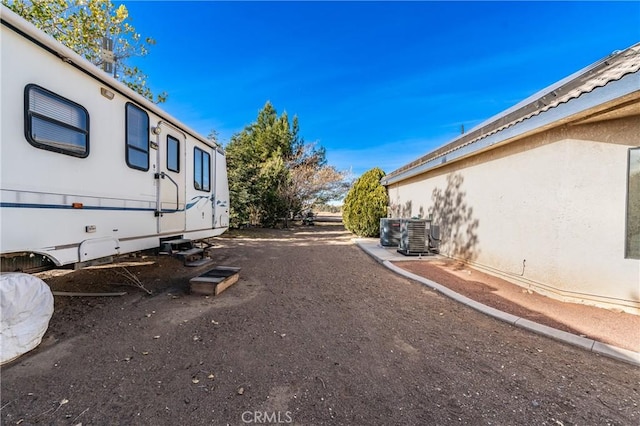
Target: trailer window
{"points": [[55, 123], [202, 170], [137, 137], [173, 158]]}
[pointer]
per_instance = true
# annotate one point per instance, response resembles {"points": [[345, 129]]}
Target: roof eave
{"points": [[558, 115], [546, 108]]}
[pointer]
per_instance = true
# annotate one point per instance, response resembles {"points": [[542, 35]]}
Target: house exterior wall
{"points": [[546, 212]]}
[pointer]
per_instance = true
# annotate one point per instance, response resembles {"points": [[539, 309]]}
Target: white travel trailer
{"points": [[89, 168]]}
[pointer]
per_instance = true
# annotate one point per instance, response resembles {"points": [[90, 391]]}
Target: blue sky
{"points": [[378, 84]]}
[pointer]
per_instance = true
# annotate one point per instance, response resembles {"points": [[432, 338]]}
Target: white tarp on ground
{"points": [[26, 306]]}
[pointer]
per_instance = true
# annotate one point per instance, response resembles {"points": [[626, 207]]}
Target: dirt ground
{"points": [[315, 332]]}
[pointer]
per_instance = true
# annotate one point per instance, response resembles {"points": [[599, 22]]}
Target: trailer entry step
{"points": [[190, 252], [199, 262], [171, 246], [215, 281], [177, 241]]}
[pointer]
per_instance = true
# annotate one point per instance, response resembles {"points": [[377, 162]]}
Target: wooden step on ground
{"points": [[215, 281]]}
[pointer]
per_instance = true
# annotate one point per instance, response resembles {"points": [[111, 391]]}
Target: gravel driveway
{"points": [[314, 332]]}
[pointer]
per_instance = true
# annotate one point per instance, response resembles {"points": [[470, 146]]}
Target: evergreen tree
{"points": [[365, 204], [256, 168], [274, 174]]}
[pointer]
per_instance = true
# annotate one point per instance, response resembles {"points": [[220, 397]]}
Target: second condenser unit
{"points": [[418, 236], [413, 236]]}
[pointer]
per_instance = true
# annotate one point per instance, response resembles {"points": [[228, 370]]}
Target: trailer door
{"points": [[171, 182], [199, 197], [221, 195]]}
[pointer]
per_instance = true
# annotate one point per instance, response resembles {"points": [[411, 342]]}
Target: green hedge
{"points": [[365, 204]]}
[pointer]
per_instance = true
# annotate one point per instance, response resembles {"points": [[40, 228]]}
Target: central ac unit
{"points": [[413, 236], [433, 237], [389, 232]]}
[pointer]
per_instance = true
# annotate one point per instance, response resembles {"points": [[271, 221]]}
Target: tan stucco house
{"points": [[547, 193]]}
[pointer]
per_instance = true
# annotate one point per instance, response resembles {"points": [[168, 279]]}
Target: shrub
{"points": [[365, 204]]}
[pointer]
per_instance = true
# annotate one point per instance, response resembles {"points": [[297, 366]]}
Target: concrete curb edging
{"points": [[600, 348]]}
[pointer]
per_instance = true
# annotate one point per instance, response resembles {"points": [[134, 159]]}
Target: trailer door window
{"points": [[55, 123], [137, 138], [173, 157], [202, 170]]}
